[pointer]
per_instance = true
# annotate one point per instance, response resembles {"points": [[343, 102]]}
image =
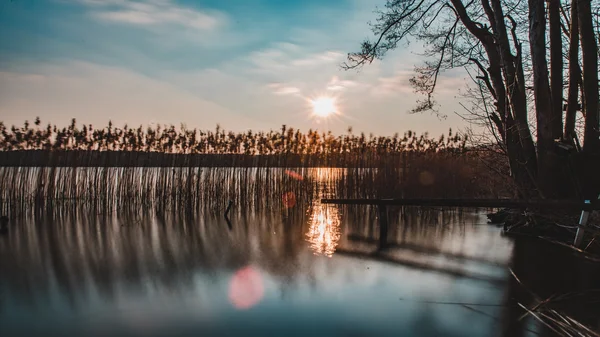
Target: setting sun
{"points": [[323, 106]]}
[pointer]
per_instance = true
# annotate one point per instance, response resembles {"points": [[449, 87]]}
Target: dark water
{"points": [[297, 271]]}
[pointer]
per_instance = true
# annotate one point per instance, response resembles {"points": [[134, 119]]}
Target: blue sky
{"points": [[245, 64]]}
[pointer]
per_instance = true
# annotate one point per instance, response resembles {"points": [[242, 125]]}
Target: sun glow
{"points": [[323, 106]]}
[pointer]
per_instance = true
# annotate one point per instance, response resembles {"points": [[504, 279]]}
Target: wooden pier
{"points": [[585, 206], [474, 203]]}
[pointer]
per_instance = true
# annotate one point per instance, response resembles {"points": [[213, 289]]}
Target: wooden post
{"points": [[383, 226], [582, 222], [583, 219]]}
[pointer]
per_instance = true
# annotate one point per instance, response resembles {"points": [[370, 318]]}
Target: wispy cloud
{"points": [[95, 94], [290, 57], [340, 85], [393, 85], [154, 12], [326, 57], [190, 61], [281, 89]]}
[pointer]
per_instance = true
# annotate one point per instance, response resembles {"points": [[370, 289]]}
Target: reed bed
{"points": [[164, 167], [349, 149], [182, 189], [555, 312]]}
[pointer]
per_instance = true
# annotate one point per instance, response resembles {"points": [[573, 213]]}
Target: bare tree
{"points": [[589, 50], [504, 42]]}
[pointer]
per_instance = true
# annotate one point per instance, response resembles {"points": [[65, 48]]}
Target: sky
{"points": [[243, 64]]}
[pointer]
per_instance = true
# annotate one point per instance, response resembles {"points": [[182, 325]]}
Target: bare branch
{"points": [[485, 78], [472, 26], [370, 51]]}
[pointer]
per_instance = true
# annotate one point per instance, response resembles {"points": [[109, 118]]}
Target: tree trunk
{"points": [[589, 51], [523, 177], [574, 75], [543, 101], [591, 146], [514, 81], [506, 77], [556, 67]]}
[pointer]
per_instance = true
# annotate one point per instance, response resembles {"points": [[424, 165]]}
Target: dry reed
{"points": [[188, 170]]}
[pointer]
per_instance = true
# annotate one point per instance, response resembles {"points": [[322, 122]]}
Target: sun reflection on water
{"points": [[325, 174], [324, 231]]}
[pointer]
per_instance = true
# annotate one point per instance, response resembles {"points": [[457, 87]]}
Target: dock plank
{"points": [[473, 203]]}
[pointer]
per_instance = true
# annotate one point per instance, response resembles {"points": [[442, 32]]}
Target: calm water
{"points": [[296, 271]]}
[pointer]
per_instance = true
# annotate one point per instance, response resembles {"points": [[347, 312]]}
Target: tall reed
{"points": [[143, 147], [113, 168]]}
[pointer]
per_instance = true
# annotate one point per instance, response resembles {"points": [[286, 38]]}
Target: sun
{"points": [[323, 106]]}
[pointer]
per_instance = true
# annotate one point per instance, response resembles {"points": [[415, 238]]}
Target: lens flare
{"points": [[294, 175], [246, 288], [289, 199]]}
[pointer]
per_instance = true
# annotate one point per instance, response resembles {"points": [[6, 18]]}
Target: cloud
{"points": [[202, 73], [396, 84], [450, 81], [280, 89], [291, 59], [95, 94], [282, 77], [154, 12], [291, 69], [326, 57], [340, 85], [288, 69]]}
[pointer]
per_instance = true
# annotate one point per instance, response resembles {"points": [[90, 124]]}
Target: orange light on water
{"points": [[324, 231], [246, 288]]}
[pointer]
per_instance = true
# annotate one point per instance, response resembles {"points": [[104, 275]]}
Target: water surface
{"points": [[296, 269]]}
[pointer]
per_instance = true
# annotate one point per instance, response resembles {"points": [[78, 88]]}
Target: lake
{"points": [[295, 268]]}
